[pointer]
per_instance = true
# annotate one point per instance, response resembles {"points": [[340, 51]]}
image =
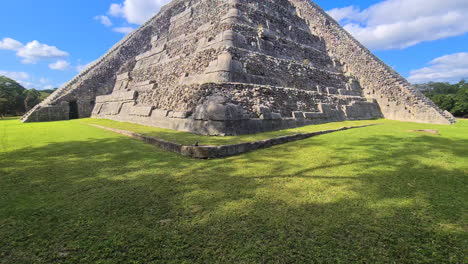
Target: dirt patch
{"points": [[429, 131]]}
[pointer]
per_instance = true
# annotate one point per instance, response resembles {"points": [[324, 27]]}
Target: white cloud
{"points": [[10, 44], [398, 24], [20, 77], [28, 85], [35, 51], [124, 30], [29, 82], [105, 20], [44, 80], [345, 13], [17, 76], [59, 65], [137, 11], [448, 68]]}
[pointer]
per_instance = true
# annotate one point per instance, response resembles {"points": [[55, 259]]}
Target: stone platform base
{"points": [[221, 128], [213, 152]]}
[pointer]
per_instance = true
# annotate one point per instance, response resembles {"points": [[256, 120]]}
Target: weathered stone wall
{"points": [[99, 77], [396, 98], [228, 67], [240, 68]]}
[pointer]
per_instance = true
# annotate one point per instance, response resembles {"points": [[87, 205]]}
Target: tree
{"points": [[12, 94], [444, 101], [450, 97], [3, 107], [15, 99], [460, 107], [32, 98]]}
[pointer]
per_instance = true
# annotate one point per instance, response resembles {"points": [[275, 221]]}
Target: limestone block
{"points": [[216, 112], [321, 89], [126, 108], [121, 81], [214, 77], [298, 115], [141, 110], [143, 83], [313, 115], [181, 114], [345, 92], [265, 45], [200, 113], [331, 90], [123, 76], [232, 16], [276, 116], [264, 112], [159, 113], [121, 85], [217, 99], [328, 110], [234, 112], [266, 34], [117, 96], [353, 85], [181, 19], [144, 88], [217, 109], [155, 51], [154, 41], [230, 36], [225, 39], [112, 108], [233, 3], [224, 63]]}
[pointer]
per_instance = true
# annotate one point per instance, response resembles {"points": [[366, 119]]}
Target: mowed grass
{"points": [[186, 138], [72, 193]]}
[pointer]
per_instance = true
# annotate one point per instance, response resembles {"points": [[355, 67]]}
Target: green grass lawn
{"points": [[72, 193], [186, 138]]}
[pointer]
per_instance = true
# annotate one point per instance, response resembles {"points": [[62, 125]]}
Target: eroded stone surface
{"points": [[228, 67]]}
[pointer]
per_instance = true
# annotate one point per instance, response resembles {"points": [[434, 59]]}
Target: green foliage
{"points": [[460, 107], [33, 97], [15, 99], [12, 95], [3, 106], [45, 93], [450, 97], [444, 101], [72, 193]]}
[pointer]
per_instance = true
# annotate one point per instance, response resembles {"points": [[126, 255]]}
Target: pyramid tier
{"points": [[227, 109], [226, 67]]}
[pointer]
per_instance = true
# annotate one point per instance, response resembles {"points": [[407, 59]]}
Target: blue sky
{"points": [[43, 44]]}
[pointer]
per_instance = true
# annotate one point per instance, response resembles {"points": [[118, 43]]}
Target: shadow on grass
{"points": [[378, 200]]}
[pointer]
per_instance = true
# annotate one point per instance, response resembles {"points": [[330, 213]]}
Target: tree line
{"points": [[16, 100], [450, 97]]}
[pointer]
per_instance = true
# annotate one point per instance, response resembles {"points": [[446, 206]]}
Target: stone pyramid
{"points": [[230, 67]]}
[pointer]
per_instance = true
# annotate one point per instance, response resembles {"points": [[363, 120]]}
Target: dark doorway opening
{"points": [[73, 110]]}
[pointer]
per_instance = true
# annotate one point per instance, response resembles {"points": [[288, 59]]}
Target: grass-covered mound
{"points": [[186, 138], [72, 193]]}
